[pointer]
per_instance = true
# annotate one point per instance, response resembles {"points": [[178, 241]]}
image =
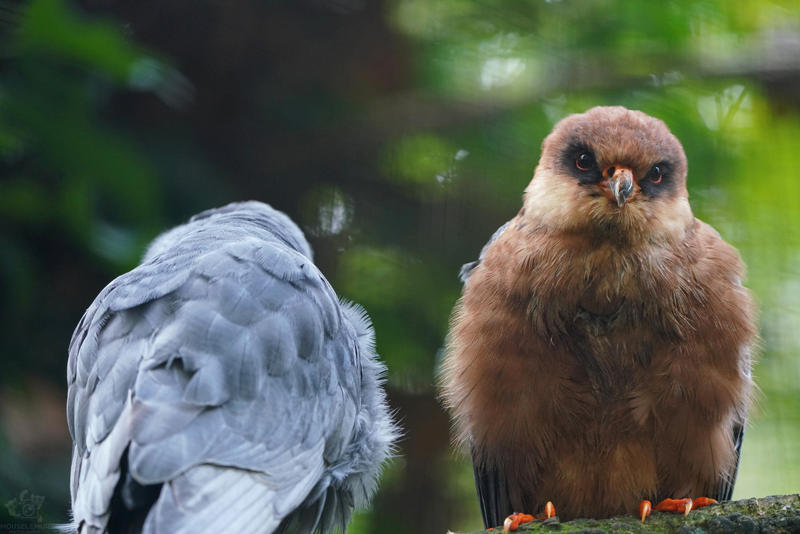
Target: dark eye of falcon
{"points": [[656, 174], [585, 161], [658, 180]]}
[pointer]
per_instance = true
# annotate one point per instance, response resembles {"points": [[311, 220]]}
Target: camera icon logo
{"points": [[25, 506]]}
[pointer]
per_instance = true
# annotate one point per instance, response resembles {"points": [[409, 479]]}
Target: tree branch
{"points": [[778, 514]]}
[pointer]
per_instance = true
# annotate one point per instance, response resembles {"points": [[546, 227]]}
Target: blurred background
{"points": [[399, 134]]}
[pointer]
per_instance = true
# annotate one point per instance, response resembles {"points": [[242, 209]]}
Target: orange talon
{"points": [[681, 506], [513, 521], [549, 510], [684, 505], [645, 507], [700, 502]]}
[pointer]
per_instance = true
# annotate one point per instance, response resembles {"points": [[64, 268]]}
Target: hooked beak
{"points": [[619, 182]]}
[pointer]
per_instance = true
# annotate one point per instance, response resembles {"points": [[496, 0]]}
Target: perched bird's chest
{"points": [[606, 315], [604, 344], [603, 319]]}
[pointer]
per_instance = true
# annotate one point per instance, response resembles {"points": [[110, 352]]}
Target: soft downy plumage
{"points": [[221, 386], [601, 351]]}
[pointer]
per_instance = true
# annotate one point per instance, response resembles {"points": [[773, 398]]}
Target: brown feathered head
{"points": [[610, 171]]}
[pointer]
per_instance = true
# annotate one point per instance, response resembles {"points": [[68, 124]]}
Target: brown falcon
{"points": [[600, 353]]}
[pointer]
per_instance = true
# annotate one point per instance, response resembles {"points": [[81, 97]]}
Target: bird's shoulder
{"points": [[225, 273], [516, 240], [512, 259], [713, 260], [468, 268]]}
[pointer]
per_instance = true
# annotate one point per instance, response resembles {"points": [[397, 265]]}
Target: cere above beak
{"points": [[619, 182]]}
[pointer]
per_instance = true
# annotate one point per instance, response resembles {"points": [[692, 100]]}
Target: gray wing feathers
{"points": [[199, 361], [209, 498], [207, 355], [94, 478]]}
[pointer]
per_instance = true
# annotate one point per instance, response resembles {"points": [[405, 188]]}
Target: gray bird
{"points": [[221, 386]]}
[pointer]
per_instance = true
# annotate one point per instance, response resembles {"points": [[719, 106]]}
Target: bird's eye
{"points": [[656, 174], [584, 161]]}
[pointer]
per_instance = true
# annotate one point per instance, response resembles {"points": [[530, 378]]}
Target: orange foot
{"points": [[681, 506], [513, 521]]}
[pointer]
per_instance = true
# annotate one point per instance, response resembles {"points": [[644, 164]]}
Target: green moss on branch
{"points": [[778, 514]]}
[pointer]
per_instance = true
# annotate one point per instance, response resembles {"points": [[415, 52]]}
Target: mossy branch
{"points": [[778, 514]]}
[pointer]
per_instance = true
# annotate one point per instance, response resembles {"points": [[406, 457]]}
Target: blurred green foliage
{"points": [[53, 91], [400, 134]]}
